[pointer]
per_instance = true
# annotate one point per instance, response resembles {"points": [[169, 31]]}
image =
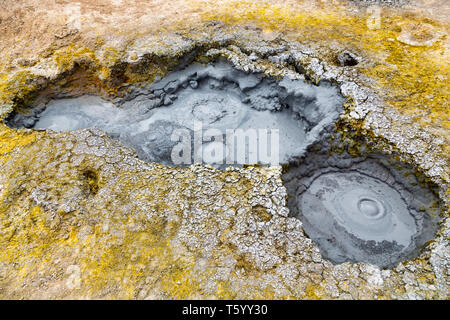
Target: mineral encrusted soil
{"points": [[67, 197], [354, 212]]}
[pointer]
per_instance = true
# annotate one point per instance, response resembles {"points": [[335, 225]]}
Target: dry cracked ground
{"points": [[82, 217]]}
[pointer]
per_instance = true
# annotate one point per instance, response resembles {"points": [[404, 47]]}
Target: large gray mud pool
{"points": [[217, 98], [355, 209]]}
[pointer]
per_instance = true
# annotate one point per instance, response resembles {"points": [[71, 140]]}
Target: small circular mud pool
{"points": [[368, 209]]}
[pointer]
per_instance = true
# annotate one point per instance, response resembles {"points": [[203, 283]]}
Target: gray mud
{"points": [[370, 209], [217, 95]]}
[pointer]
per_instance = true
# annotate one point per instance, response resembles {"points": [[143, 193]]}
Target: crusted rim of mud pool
{"points": [[365, 115]]}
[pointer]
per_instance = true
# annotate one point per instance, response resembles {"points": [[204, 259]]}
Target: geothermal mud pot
{"points": [[367, 208], [217, 97]]}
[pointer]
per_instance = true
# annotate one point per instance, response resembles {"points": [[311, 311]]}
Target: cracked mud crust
{"points": [[82, 217]]}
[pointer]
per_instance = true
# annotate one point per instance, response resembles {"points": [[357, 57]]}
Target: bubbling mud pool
{"points": [[369, 208], [355, 209]]}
